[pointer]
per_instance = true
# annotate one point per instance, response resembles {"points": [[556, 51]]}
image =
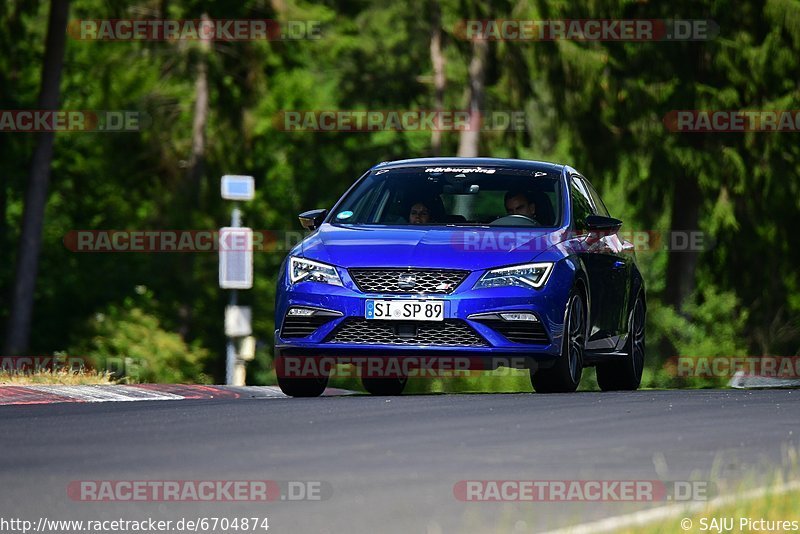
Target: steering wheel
{"points": [[515, 220]]}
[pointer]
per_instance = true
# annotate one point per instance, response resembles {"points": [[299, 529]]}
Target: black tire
{"points": [[625, 373], [300, 386], [565, 374], [303, 387], [384, 386]]}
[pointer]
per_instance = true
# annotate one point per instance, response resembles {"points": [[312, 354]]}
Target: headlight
{"points": [[528, 275], [301, 269]]}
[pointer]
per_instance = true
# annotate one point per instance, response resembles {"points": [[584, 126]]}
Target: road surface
{"points": [[391, 464]]}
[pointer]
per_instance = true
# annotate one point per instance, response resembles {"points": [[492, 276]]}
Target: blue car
{"points": [[479, 261]]}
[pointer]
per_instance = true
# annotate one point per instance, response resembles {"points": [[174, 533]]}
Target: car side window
{"points": [[581, 205], [600, 207]]}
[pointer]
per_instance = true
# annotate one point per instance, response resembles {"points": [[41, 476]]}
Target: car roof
{"points": [[483, 162]]}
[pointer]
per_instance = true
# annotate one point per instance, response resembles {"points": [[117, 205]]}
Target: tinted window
{"points": [[581, 205]]}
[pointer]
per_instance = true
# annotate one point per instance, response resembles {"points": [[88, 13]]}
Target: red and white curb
{"points": [[51, 394]]}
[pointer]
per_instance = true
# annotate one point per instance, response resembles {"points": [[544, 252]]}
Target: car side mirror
{"points": [[601, 224], [311, 220]]}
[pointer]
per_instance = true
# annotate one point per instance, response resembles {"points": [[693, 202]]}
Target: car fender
{"points": [[565, 251]]}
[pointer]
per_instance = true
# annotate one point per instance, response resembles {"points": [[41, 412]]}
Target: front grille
{"points": [[425, 281], [519, 331], [448, 333]]}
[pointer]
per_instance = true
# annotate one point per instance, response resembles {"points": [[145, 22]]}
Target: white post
{"points": [[236, 188]]}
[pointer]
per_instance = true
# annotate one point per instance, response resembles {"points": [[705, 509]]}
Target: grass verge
{"points": [[62, 376], [772, 511]]}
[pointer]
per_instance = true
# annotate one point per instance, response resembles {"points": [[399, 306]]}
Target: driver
{"points": [[420, 213], [520, 203]]}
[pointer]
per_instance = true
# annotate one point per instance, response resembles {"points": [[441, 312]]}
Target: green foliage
{"points": [[127, 334], [711, 325]]}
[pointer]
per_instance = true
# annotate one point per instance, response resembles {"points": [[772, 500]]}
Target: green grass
{"points": [[64, 376], [773, 506]]}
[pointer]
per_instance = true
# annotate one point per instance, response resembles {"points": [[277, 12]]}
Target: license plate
{"points": [[405, 310]]}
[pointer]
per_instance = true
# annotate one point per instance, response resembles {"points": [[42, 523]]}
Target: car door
{"points": [[602, 268], [621, 271]]}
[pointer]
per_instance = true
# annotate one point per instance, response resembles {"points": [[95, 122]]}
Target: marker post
{"points": [[235, 273]]}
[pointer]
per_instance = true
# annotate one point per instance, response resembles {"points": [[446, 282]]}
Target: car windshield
{"points": [[442, 195]]}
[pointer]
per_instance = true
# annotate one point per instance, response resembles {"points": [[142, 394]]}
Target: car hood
{"points": [[429, 246]]}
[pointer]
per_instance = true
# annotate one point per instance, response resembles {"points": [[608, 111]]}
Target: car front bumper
{"points": [[547, 304]]}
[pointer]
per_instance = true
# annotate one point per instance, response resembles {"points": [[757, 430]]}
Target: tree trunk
{"points": [[469, 142], [682, 264], [196, 170], [439, 79], [19, 323], [197, 158]]}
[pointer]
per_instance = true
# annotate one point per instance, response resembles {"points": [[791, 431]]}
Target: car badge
{"points": [[407, 281]]}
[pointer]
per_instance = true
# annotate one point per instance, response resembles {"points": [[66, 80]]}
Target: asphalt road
{"points": [[391, 463]]}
